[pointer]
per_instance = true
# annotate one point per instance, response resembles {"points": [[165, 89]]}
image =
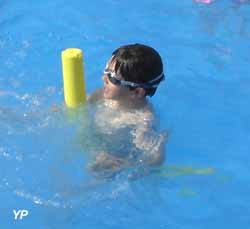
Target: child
{"points": [[123, 117]]}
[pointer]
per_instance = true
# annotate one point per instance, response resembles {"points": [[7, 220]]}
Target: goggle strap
{"points": [[149, 84], [157, 78]]}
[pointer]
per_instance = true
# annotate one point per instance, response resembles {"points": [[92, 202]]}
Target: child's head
{"points": [[137, 67]]}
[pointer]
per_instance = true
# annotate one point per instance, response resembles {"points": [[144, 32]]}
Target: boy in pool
{"points": [[123, 115]]}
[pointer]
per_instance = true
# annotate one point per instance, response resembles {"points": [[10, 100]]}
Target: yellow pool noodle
{"points": [[73, 77]]}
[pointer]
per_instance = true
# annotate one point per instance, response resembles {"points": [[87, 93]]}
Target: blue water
{"points": [[204, 102]]}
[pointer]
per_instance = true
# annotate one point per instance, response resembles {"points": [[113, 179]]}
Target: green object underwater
{"points": [[174, 171]]}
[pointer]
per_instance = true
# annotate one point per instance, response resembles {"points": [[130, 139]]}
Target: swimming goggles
{"points": [[112, 77]]}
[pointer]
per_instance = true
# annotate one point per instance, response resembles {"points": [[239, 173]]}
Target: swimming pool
{"points": [[204, 101]]}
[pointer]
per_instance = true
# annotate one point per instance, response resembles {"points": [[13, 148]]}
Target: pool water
{"points": [[204, 103]]}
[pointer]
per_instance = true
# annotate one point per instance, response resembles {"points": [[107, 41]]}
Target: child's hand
{"points": [[106, 164]]}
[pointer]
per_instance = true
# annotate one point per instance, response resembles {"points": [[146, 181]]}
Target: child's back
{"points": [[123, 118]]}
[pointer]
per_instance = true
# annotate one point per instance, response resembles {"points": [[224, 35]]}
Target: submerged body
{"points": [[124, 136]]}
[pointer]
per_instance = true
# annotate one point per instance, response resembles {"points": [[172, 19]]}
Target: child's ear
{"points": [[140, 92]]}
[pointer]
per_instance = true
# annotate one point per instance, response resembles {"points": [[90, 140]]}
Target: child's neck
{"points": [[125, 103]]}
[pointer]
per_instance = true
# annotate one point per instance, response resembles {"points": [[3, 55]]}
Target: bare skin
{"points": [[136, 112]]}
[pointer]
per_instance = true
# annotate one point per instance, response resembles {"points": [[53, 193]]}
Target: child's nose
{"points": [[105, 78]]}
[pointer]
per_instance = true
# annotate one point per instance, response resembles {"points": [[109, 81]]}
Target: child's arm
{"points": [[151, 143], [156, 155]]}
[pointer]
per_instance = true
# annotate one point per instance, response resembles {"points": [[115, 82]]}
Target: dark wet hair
{"points": [[139, 64]]}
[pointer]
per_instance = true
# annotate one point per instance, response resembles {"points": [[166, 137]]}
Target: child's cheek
{"points": [[115, 91], [110, 91]]}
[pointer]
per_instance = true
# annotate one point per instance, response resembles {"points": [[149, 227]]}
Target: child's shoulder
{"points": [[143, 116], [95, 96]]}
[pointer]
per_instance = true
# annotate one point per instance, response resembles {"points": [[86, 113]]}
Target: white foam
{"points": [[38, 200]]}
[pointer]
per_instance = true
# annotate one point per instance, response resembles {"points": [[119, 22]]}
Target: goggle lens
{"points": [[113, 80]]}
